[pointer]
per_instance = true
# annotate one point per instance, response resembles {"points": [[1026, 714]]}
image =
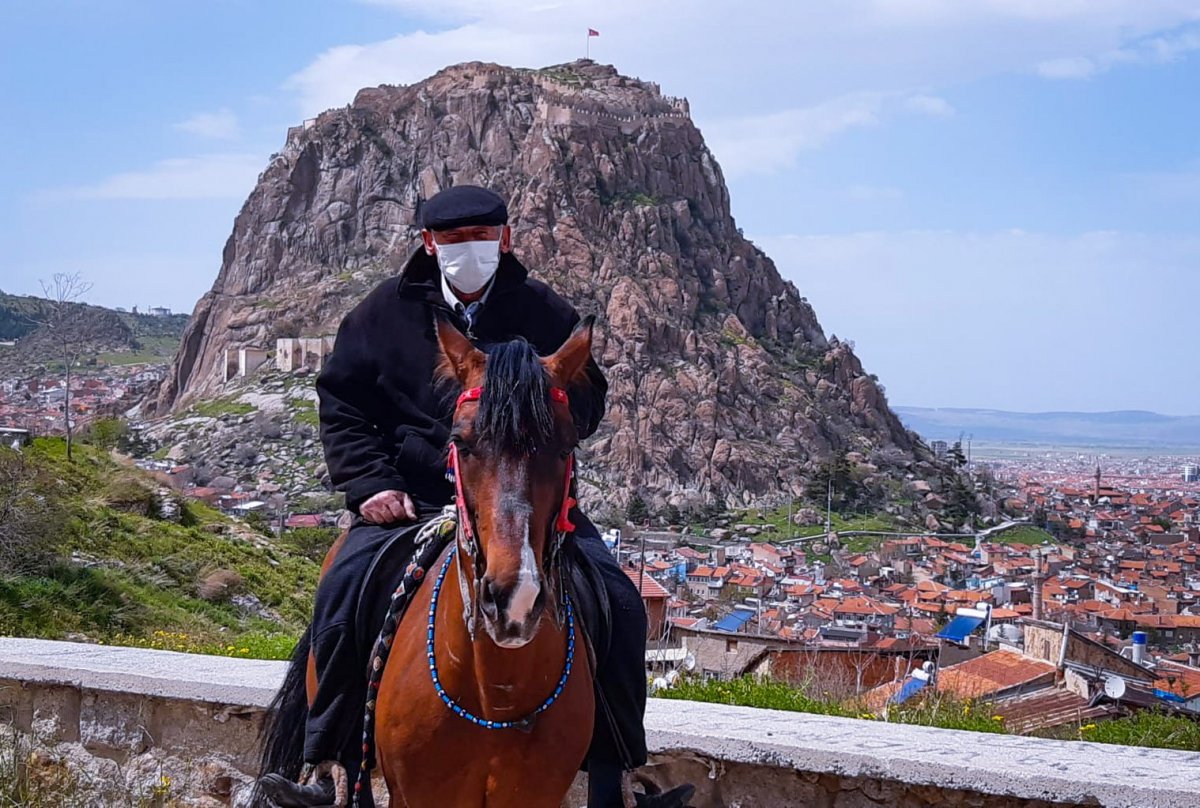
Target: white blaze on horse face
{"points": [[529, 584]]}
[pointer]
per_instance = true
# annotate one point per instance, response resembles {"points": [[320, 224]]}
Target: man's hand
{"points": [[388, 507]]}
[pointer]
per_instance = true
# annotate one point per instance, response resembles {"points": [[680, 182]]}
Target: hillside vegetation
{"points": [[87, 554], [111, 337]]}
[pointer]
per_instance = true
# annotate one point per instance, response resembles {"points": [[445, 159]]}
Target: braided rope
{"points": [[431, 540]]}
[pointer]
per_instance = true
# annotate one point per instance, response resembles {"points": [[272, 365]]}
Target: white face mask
{"points": [[469, 265]]}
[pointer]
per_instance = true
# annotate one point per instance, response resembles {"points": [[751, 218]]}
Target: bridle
{"points": [[468, 536], [467, 540]]}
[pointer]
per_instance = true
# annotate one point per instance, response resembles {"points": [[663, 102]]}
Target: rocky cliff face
{"points": [[723, 384]]}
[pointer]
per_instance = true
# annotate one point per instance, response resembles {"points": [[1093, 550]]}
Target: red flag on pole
{"points": [[593, 32]]}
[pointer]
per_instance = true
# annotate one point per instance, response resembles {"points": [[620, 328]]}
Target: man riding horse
{"points": [[385, 427]]}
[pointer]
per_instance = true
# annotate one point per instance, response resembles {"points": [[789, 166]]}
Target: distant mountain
{"points": [[1122, 428]]}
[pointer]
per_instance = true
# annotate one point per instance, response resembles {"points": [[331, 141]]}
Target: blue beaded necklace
{"points": [[458, 709]]}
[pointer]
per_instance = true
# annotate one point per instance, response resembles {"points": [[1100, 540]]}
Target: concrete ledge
{"points": [[163, 674], [1002, 765], [125, 704]]}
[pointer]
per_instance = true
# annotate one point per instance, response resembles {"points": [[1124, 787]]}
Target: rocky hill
{"points": [[723, 385]]}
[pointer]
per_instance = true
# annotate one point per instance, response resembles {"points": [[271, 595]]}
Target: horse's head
{"points": [[514, 442]]}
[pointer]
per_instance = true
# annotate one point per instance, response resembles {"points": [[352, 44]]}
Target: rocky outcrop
{"points": [[723, 384]]}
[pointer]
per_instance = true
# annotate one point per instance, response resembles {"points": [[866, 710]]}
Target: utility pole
{"points": [[642, 574], [829, 507], [791, 532]]}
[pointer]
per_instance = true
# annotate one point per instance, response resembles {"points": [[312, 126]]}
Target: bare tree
{"points": [[66, 328]]}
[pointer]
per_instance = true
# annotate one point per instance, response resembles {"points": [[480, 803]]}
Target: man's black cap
{"points": [[463, 206]]}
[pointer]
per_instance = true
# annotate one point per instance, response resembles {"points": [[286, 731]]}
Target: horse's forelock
{"points": [[514, 412]]}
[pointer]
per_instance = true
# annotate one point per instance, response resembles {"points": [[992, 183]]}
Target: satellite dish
{"points": [[689, 662], [1114, 687]]}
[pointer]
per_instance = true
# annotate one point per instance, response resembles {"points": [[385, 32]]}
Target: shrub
{"points": [[106, 433], [126, 493], [220, 585], [31, 515], [311, 542]]}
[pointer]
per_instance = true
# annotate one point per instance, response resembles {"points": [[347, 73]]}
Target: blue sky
{"points": [[998, 201]]}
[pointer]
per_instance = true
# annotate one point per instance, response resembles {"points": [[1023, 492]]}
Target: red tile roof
{"points": [[650, 588], [991, 673]]}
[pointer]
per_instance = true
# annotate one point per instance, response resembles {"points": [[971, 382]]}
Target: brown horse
{"points": [[500, 717], [513, 440]]}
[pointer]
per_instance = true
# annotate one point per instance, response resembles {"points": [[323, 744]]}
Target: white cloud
{"points": [[763, 144], [768, 55], [221, 125], [1151, 50], [210, 176], [929, 105], [1070, 67], [779, 78]]}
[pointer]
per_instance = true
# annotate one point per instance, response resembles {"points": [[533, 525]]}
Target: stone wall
{"points": [[136, 720]]}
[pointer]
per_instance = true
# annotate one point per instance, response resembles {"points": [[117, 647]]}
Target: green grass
{"points": [[775, 525], [304, 411], [142, 577], [217, 407], [153, 350], [1147, 728], [1023, 534], [750, 692]]}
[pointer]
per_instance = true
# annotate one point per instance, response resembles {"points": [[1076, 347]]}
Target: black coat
{"points": [[385, 419]]}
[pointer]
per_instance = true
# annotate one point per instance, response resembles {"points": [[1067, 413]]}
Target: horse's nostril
{"points": [[493, 594]]}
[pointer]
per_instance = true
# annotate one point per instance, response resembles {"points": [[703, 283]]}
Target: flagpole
{"points": [[587, 51]]}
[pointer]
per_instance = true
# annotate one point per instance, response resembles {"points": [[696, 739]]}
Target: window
{"points": [[731, 646]]}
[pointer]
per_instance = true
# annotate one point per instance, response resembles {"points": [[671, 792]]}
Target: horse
{"points": [[499, 717]]}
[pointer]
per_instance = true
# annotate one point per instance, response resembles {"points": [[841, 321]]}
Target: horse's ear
{"points": [[460, 359], [568, 363]]}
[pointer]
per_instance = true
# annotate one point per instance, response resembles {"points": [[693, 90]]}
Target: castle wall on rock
{"points": [[241, 362], [294, 353], [127, 718]]}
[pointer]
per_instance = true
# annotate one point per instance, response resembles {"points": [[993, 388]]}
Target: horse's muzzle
{"points": [[511, 612]]}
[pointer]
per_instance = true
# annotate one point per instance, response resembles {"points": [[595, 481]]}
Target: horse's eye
{"points": [[461, 443]]}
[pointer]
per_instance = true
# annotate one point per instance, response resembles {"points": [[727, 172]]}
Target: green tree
{"points": [[960, 500], [106, 433], [956, 455], [672, 515], [637, 513], [847, 492]]}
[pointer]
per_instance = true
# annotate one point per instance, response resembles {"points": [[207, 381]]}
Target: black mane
{"points": [[514, 411]]}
